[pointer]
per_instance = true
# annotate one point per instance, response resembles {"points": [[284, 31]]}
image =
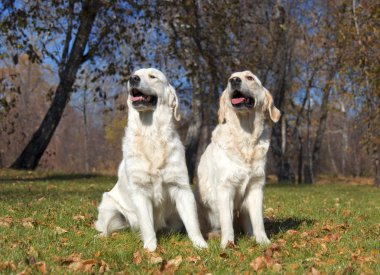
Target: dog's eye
{"points": [[152, 76], [250, 78]]}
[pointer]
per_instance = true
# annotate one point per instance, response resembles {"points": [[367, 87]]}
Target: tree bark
{"points": [[376, 164], [323, 119], [31, 155], [280, 62]]}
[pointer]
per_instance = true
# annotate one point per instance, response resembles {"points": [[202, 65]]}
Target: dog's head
{"points": [[245, 94], [149, 88]]}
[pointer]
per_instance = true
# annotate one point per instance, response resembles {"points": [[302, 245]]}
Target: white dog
{"points": [[152, 181], [231, 172]]}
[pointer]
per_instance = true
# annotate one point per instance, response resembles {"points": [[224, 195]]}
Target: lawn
{"points": [[46, 226]]}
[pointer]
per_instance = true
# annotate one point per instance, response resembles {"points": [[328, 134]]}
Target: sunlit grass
{"points": [[46, 224]]}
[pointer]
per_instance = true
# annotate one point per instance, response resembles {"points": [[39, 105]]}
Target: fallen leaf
{"points": [[154, 258], [258, 263], [41, 267], [176, 261], [79, 217], [60, 230], [171, 266], [314, 271], [294, 266], [223, 255], [27, 222], [276, 267], [230, 245], [192, 259], [26, 271], [103, 267], [8, 266], [327, 227], [292, 232], [88, 264], [70, 259], [6, 221], [137, 257]]}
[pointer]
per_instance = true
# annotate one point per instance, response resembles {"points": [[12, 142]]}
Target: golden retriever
{"points": [[231, 171], [152, 191]]}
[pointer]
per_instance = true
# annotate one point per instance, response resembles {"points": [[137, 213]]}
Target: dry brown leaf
{"points": [[258, 263], [8, 266], [192, 259], [27, 223], [271, 249], [281, 242], [292, 232], [88, 264], [6, 221], [276, 267], [41, 267], [154, 259], [327, 227], [75, 266], [231, 245], [103, 267], [176, 261], [70, 259], [223, 255], [79, 217], [26, 271], [294, 266], [137, 257], [314, 271], [324, 248], [60, 230], [171, 266]]}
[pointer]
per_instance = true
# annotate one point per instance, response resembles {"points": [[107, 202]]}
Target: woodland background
{"points": [[64, 65]]}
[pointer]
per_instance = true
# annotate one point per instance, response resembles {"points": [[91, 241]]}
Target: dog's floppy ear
{"points": [[274, 113], [173, 102], [222, 107]]}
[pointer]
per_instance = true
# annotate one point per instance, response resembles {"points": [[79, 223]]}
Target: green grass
{"points": [[46, 223]]}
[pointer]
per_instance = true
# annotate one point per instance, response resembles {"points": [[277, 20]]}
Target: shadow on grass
{"points": [[273, 227]]}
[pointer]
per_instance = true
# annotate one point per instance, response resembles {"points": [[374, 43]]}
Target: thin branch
{"points": [[52, 56], [68, 38]]}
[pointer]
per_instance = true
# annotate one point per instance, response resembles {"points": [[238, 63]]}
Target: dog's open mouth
{"points": [[239, 100], [138, 98]]}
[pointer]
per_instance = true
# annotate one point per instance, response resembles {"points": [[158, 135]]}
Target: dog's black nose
{"points": [[134, 80], [235, 81]]}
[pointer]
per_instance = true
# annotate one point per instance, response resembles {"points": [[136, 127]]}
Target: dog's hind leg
{"points": [[110, 219]]}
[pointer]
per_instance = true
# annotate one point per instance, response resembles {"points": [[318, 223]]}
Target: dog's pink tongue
{"points": [[237, 100], [137, 98]]}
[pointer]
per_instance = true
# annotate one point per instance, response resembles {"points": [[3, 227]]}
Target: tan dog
{"points": [[231, 171]]}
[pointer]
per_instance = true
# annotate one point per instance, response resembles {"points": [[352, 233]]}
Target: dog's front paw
{"points": [[262, 239], [151, 245], [199, 243]]}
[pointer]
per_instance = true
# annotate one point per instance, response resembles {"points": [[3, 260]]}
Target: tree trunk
{"points": [[300, 160], [280, 62], [323, 119], [377, 166], [308, 170], [31, 155]]}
